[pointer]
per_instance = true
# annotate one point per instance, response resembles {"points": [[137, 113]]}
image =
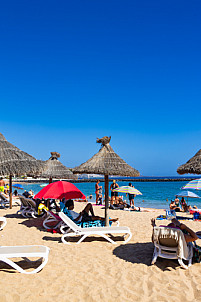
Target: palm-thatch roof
{"points": [[106, 162], [193, 165], [53, 168], [14, 161]]}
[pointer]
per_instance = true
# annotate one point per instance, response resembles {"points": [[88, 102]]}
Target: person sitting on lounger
{"points": [[189, 234], [84, 216]]}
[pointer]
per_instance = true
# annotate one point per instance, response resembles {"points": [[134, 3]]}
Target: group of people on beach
{"points": [[116, 201], [176, 203]]}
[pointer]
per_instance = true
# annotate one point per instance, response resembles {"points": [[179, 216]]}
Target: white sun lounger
{"points": [[51, 217], [25, 252], [3, 219], [85, 232], [4, 201]]}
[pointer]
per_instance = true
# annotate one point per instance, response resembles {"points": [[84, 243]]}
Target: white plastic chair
{"points": [[85, 232], [174, 247]]}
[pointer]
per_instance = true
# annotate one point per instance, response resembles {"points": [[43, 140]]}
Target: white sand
{"points": [[96, 270]]}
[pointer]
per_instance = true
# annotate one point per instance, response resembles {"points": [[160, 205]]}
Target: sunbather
{"points": [[189, 234], [84, 214]]}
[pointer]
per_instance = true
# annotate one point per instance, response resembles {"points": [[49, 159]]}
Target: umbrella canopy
{"points": [[193, 165], [43, 185], [53, 168], [187, 194], [128, 189], [18, 186], [193, 184], [14, 161], [59, 190], [106, 162]]}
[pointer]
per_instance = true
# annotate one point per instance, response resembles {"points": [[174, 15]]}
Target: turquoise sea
{"points": [[155, 193]]}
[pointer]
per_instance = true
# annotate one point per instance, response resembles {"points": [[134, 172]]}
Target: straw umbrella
{"points": [[192, 166], [106, 162], [54, 168], [14, 161]]}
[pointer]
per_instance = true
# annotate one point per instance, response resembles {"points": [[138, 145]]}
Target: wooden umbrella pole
{"points": [[106, 200], [10, 190]]}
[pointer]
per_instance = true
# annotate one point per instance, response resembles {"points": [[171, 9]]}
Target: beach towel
{"points": [[170, 233]]}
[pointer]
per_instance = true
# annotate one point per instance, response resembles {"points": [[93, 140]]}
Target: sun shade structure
{"points": [[193, 165], [14, 161], [53, 168], [106, 162]]}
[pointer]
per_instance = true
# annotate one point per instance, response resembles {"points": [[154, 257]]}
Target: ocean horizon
{"points": [[155, 194]]}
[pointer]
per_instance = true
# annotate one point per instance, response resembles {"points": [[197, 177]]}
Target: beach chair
{"points": [[88, 224], [28, 208], [170, 243], [3, 222], [25, 252], [4, 201], [76, 230], [52, 218], [24, 208]]}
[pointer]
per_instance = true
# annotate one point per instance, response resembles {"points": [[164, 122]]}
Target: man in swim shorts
{"points": [[2, 184]]}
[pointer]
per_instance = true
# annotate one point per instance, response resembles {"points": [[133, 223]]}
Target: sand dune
{"points": [[96, 270]]}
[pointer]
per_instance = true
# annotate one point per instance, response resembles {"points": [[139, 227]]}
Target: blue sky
{"points": [[72, 71]]}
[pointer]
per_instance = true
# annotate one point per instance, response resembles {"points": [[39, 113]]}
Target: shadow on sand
{"points": [[142, 253]]}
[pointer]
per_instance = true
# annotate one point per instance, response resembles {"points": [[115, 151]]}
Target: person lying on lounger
{"points": [[84, 216], [189, 234]]}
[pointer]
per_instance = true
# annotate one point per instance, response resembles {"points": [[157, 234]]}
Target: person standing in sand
{"points": [[131, 196], [2, 184], [114, 195], [97, 190]]}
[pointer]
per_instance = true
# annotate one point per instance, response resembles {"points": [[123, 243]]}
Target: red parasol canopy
{"points": [[59, 190]]}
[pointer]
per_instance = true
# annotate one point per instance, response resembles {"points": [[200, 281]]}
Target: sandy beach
{"points": [[96, 270]]}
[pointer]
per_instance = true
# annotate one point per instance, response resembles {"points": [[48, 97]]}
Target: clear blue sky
{"points": [[71, 71]]}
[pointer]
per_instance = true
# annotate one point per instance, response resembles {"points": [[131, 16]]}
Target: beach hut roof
{"points": [[55, 169], [14, 161], [106, 162], [193, 165]]}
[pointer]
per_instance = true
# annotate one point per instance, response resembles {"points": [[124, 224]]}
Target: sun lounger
{"points": [[75, 230], [24, 208], [25, 252], [170, 243], [52, 218], [88, 224], [4, 201], [28, 208], [3, 222]]}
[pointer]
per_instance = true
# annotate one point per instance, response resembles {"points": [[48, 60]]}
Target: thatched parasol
{"points": [[193, 165], [14, 161], [106, 162], [54, 168]]}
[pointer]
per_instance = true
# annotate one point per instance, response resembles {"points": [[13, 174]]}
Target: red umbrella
{"points": [[59, 190]]}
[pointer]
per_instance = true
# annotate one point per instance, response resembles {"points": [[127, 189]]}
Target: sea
{"points": [[155, 194]]}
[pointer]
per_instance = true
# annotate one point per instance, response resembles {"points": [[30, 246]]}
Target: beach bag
{"points": [[196, 253]]}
